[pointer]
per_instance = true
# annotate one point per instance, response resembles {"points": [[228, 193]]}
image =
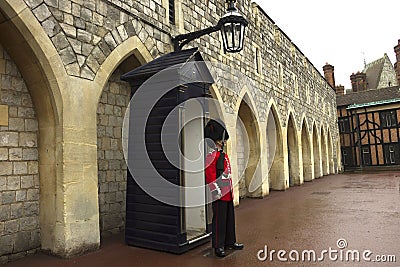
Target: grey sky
{"points": [[340, 32]]}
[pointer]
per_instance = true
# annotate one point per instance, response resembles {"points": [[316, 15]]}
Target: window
{"points": [[171, 11], [277, 35], [388, 119], [344, 125], [293, 52], [308, 97], [280, 75], [295, 85], [347, 156], [392, 155], [257, 18], [345, 159], [366, 155], [305, 64], [257, 60]]}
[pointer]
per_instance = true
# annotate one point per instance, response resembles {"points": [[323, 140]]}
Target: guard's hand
{"points": [[218, 191], [226, 176]]}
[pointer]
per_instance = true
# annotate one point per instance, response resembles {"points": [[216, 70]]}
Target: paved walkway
{"points": [[361, 209]]}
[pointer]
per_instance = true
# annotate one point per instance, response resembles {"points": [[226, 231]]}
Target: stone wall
{"points": [[388, 75], [112, 167], [304, 91], [242, 157], [77, 45], [86, 32], [19, 175]]}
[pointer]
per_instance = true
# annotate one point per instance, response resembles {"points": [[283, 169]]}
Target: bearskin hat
{"points": [[214, 130]]}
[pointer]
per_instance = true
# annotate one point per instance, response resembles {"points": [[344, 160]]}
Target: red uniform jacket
{"points": [[211, 175]]}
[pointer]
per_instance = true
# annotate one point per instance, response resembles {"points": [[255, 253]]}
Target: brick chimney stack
{"points": [[358, 82], [397, 64], [339, 90], [329, 74]]}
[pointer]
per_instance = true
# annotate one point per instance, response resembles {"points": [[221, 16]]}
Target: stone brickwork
{"points": [[275, 48], [89, 39], [112, 167], [388, 75], [86, 32], [19, 175], [242, 158]]}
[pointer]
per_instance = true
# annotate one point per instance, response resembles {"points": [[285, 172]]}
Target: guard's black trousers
{"points": [[223, 224]]}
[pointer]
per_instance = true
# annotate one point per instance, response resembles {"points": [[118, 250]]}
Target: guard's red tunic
{"points": [[211, 175]]}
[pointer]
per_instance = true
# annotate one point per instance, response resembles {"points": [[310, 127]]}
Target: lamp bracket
{"points": [[232, 16], [180, 40]]}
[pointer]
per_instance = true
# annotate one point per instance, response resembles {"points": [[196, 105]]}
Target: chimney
{"points": [[361, 81], [339, 90], [329, 74], [358, 82], [353, 82], [397, 64]]}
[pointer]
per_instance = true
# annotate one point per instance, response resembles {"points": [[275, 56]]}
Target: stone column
{"points": [[230, 122], [77, 226]]}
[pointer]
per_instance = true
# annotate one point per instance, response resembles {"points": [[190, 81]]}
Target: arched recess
{"points": [[330, 153], [215, 104], [306, 153], [276, 164], [114, 97], [293, 153], [339, 167], [316, 153], [324, 153], [126, 54], [247, 126], [42, 70], [242, 151]]}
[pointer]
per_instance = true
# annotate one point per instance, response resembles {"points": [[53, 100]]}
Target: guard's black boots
{"points": [[235, 246], [220, 252]]}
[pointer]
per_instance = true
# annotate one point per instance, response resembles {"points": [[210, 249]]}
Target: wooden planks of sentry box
{"points": [[3, 115]]}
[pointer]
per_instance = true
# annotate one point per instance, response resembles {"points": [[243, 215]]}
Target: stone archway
{"points": [[32, 61], [293, 153], [242, 145], [306, 153], [247, 132], [215, 104], [324, 153], [19, 164], [113, 98], [330, 154], [316, 153], [112, 169], [339, 167], [276, 164]]}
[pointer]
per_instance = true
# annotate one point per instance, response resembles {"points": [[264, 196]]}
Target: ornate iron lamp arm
{"points": [[183, 39], [232, 26]]}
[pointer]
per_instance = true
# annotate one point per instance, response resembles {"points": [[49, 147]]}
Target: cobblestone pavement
{"points": [[361, 209]]}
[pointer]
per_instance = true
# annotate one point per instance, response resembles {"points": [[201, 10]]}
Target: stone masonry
{"points": [[19, 175], [70, 59], [112, 166], [85, 33]]}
